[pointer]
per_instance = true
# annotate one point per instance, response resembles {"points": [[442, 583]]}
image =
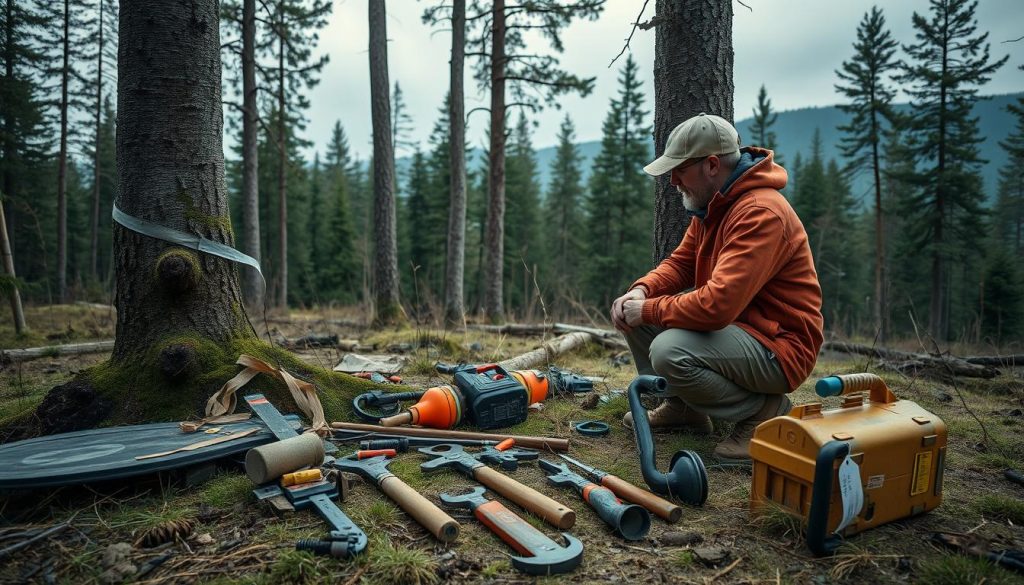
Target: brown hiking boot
{"points": [[737, 445], [674, 415]]}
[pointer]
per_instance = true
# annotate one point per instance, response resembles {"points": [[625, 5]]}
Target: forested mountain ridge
{"points": [[794, 129]]}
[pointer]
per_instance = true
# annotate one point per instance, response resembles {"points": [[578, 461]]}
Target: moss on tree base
{"points": [[172, 381]]}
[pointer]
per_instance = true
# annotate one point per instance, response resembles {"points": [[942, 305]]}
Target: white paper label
{"points": [[851, 490]]}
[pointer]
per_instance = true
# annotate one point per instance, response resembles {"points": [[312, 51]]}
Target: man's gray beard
{"points": [[689, 202]]}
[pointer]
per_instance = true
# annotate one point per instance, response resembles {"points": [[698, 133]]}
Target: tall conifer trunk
{"points": [[385, 268], [282, 173], [252, 285], [62, 164], [94, 219], [495, 235], [454, 304], [171, 172], [693, 62]]}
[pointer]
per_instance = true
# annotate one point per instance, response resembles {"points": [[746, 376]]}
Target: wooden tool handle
{"points": [[425, 512], [555, 514], [655, 504], [402, 418], [543, 443]]}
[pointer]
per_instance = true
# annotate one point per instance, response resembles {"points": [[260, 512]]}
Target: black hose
{"points": [[687, 479]]}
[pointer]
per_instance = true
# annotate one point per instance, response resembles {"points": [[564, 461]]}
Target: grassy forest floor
{"points": [[233, 540]]}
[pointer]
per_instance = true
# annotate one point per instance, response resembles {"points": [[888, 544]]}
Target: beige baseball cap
{"points": [[700, 136]]}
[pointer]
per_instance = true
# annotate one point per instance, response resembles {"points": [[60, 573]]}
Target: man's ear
{"points": [[714, 165]]}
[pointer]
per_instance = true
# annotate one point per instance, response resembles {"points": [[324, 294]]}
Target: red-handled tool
{"points": [[543, 556], [631, 493]]}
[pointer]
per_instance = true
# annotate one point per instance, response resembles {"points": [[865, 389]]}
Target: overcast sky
{"points": [[792, 47]]}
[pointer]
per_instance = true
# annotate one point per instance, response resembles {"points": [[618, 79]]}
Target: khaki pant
{"points": [[724, 374]]}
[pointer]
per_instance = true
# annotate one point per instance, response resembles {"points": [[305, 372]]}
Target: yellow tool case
{"points": [[800, 460]]}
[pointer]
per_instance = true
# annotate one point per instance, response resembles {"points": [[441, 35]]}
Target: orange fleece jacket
{"points": [[749, 263]]}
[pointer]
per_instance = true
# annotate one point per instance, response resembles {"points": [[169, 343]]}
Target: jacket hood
{"points": [[756, 170]]}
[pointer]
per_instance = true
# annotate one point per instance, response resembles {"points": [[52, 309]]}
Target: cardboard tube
{"points": [[543, 443], [425, 512], [271, 461]]}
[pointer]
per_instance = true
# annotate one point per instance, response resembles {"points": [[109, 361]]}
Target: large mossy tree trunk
{"points": [[170, 164], [181, 322]]}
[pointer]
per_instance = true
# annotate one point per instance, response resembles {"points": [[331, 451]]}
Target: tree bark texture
{"points": [[494, 237], [454, 303], [252, 285], [693, 62], [385, 269], [62, 164], [282, 174], [171, 172]]}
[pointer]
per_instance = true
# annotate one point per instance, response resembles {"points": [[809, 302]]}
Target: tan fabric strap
{"points": [[303, 393]]}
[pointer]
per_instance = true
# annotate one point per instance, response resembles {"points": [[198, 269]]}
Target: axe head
{"points": [[552, 560]]}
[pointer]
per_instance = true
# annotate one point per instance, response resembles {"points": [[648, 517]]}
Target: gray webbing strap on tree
{"points": [[304, 393], [181, 238]]}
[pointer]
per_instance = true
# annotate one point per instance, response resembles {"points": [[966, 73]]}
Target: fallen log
{"points": [[31, 353], [312, 340], [512, 328], [546, 353], [606, 337], [1016, 360], [912, 363]]}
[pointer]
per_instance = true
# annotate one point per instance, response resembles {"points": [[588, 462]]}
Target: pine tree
{"points": [[764, 119], [1009, 209], [864, 78], [522, 246], [25, 138], [504, 59], [562, 221], [336, 251], [387, 308], [293, 26], [618, 219], [1002, 297], [947, 65]]}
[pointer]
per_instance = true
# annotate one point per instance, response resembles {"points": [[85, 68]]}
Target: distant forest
{"points": [[578, 218]]}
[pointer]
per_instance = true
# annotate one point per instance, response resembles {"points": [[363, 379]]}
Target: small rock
{"points": [[590, 401], [204, 539], [942, 396], [476, 346], [447, 556], [712, 555], [680, 539], [115, 561], [116, 553]]}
